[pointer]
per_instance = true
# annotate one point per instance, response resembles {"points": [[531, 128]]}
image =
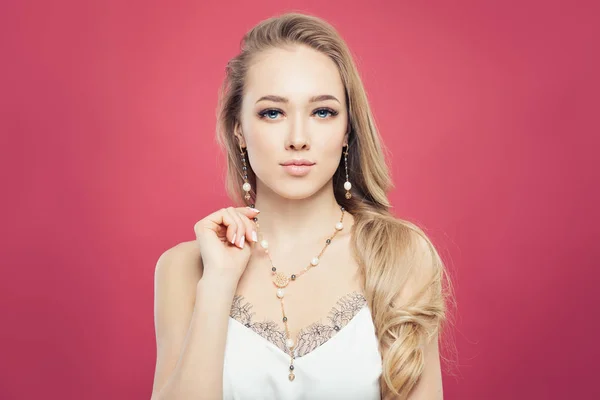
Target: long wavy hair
{"points": [[383, 245]]}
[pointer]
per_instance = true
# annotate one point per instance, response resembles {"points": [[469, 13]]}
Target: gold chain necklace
{"points": [[281, 281]]}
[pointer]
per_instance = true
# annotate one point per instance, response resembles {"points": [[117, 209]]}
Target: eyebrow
{"points": [[314, 99]]}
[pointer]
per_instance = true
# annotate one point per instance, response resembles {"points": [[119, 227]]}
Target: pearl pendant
{"points": [[339, 226], [347, 185], [314, 262], [289, 343], [264, 244], [280, 293], [246, 186]]}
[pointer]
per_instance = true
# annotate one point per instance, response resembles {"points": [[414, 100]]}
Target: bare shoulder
{"points": [[181, 260], [176, 276], [420, 249], [421, 262]]}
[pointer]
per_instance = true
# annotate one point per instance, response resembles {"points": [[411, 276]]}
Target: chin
{"points": [[295, 189], [296, 194]]}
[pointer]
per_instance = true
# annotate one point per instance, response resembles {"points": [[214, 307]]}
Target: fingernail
{"points": [[254, 209], [242, 241], [233, 239], [254, 236]]}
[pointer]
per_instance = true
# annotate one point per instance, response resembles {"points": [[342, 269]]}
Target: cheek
{"points": [[262, 149], [260, 135], [333, 158]]}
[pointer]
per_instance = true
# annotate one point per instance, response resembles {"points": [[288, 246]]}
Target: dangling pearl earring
{"points": [[347, 184], [246, 186]]}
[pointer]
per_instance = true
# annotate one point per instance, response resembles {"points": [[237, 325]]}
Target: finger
{"points": [[248, 211], [232, 228], [250, 228], [240, 237], [216, 221]]}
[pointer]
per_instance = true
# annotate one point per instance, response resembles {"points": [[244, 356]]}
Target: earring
{"points": [[246, 186], [347, 184]]}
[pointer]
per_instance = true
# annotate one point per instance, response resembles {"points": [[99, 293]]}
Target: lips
{"points": [[298, 167], [298, 162]]}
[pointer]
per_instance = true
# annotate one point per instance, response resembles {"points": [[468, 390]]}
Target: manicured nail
{"points": [[242, 241], [254, 209], [254, 236], [233, 239]]}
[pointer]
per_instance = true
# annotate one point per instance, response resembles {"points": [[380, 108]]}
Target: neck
{"points": [[287, 222]]}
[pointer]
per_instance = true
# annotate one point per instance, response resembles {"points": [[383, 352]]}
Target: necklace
{"points": [[281, 281]]}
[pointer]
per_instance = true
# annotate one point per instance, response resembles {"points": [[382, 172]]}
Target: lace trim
{"points": [[310, 337]]}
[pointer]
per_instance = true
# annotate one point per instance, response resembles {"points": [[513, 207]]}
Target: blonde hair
{"points": [[383, 245]]}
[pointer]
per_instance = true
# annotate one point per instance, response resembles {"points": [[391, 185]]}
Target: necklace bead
{"points": [[281, 281]]}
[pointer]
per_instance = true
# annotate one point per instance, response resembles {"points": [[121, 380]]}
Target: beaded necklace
{"points": [[281, 281]]}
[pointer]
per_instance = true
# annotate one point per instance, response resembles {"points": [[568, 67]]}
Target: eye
{"points": [[270, 113], [324, 113]]}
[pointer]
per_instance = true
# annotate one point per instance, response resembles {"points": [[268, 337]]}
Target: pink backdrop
{"points": [[108, 159]]}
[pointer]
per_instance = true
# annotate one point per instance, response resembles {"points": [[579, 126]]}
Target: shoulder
{"points": [[176, 276], [179, 251], [415, 244], [182, 256], [421, 250], [421, 262], [179, 268]]}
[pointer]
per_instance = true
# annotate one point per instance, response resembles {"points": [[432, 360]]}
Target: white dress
{"points": [[339, 359]]}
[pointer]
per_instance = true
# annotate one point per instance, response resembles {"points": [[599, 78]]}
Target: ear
{"points": [[237, 131]]}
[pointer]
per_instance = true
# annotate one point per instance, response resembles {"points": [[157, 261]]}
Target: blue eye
{"points": [[324, 113], [273, 113], [270, 114]]}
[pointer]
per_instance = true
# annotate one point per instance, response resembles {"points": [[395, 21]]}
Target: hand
{"points": [[225, 239]]}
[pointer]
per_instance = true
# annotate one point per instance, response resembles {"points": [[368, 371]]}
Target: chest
{"points": [[348, 366], [328, 318], [309, 299]]}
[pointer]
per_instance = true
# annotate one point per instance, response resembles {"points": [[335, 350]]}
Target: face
{"points": [[294, 108]]}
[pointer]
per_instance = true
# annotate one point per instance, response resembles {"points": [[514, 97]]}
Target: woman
{"points": [[314, 290]]}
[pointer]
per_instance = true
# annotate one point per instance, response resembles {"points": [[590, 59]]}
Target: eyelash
{"points": [[263, 114]]}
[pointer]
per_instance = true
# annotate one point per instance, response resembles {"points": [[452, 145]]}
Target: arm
{"points": [[191, 319], [429, 386], [430, 383]]}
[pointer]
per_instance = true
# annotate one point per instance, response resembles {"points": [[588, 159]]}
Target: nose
{"points": [[297, 138]]}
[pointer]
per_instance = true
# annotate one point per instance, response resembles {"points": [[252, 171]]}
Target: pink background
{"points": [[490, 111]]}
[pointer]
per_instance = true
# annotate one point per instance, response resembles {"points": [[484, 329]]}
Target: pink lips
{"points": [[298, 167]]}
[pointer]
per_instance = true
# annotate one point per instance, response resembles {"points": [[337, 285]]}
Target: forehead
{"points": [[297, 73]]}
